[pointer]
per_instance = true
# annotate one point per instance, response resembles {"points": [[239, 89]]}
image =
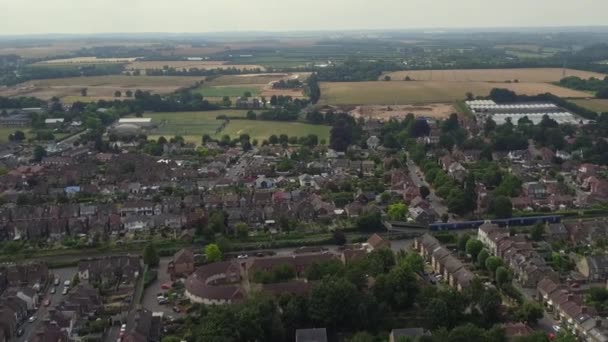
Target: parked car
{"points": [[57, 281], [176, 309], [47, 302], [123, 328], [53, 290], [242, 256], [65, 291], [20, 332], [32, 319], [67, 283]]}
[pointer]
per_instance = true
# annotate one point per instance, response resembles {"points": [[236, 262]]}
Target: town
{"points": [[402, 187]]}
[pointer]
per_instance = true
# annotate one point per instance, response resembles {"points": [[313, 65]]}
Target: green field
{"points": [[6, 131], [230, 91], [192, 126], [598, 105], [261, 130]]}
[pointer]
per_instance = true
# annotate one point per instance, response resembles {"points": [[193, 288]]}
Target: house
{"points": [[593, 267], [182, 264], [143, 326], [110, 269], [373, 142], [29, 296], [376, 242], [535, 190], [15, 120], [54, 122], [311, 335], [413, 334], [556, 232]]}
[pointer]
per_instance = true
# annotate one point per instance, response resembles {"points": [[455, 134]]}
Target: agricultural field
{"points": [[258, 84], [99, 86], [86, 60], [192, 126], [539, 75], [207, 65], [423, 92], [598, 105]]}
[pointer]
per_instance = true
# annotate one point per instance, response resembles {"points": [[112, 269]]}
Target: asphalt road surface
{"points": [[31, 328]]}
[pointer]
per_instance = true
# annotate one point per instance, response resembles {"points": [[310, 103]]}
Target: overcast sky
{"points": [[107, 16]]}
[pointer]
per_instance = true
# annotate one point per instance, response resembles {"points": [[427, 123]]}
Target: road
{"points": [[435, 201], [547, 322], [238, 169], [70, 140], [31, 328]]}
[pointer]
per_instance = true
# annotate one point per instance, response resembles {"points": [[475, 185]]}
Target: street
{"points": [[31, 328], [434, 201]]}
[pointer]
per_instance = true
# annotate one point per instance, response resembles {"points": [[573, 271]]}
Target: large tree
{"points": [[213, 253], [151, 256]]}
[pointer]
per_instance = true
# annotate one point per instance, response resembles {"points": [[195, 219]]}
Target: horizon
{"points": [[65, 17]]}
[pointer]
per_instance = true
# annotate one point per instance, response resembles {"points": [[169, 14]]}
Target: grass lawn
{"points": [[6, 131], [598, 105], [231, 91], [189, 123], [261, 130]]}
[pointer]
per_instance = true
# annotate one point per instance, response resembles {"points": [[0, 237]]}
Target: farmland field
{"points": [[99, 86], [598, 105], [192, 126], [142, 65], [230, 91], [86, 60], [492, 75], [401, 93]]}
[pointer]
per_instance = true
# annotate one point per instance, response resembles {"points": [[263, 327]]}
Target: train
{"points": [[510, 222]]}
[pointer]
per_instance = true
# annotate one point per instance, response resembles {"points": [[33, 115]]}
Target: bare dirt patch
{"points": [[384, 113]]}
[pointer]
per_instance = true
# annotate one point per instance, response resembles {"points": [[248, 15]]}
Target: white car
{"points": [[242, 256], [32, 319], [65, 291], [557, 328], [123, 328]]}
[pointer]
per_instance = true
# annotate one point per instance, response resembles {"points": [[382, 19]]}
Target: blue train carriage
{"points": [[514, 221]]}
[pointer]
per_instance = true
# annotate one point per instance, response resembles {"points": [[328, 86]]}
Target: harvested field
{"points": [[492, 75], [142, 65], [402, 93], [598, 105], [384, 113], [230, 91], [99, 86], [86, 60], [258, 84]]}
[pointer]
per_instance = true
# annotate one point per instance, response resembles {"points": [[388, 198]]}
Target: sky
{"points": [[198, 16]]}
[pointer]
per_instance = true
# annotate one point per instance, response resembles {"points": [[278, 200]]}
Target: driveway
{"points": [[149, 300]]}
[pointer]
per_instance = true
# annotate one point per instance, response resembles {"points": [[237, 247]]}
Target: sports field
{"points": [[598, 105], [423, 92], [535, 75], [192, 126]]}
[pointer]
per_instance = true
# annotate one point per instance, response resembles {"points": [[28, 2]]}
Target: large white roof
{"points": [[135, 120]]}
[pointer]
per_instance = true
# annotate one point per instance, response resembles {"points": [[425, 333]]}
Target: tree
{"points": [[363, 336], [273, 140], [482, 257], [369, 221], [398, 288], [217, 222], [501, 207], [489, 304], [413, 261], [530, 312], [17, 136], [128, 93], [39, 153], [338, 237], [492, 263], [537, 232], [242, 230], [334, 303], [83, 92], [424, 191], [397, 211], [473, 248], [117, 93], [151, 256], [462, 241], [251, 115], [213, 253], [503, 276], [387, 78]]}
